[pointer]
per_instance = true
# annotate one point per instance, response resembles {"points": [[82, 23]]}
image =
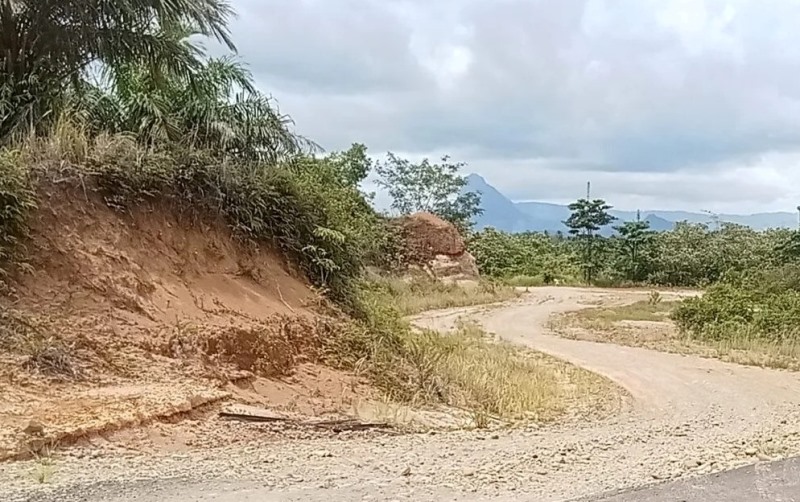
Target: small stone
{"points": [[495, 436], [406, 472], [541, 472], [468, 473], [34, 428], [323, 453], [750, 452], [763, 457]]}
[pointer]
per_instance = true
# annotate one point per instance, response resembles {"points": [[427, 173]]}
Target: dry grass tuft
{"points": [[412, 296], [34, 338], [466, 370]]}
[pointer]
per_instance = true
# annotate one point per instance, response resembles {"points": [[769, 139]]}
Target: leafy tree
{"points": [[505, 255], [353, 165], [435, 188], [635, 240], [47, 45], [588, 217]]}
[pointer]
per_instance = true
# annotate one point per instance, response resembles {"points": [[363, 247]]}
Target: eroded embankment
{"points": [[122, 317]]}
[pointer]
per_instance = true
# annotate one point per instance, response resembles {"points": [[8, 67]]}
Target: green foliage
{"points": [[762, 303], [693, 255], [214, 105], [635, 246], [17, 200], [788, 248], [588, 217], [690, 255], [504, 256], [47, 45], [435, 188]]}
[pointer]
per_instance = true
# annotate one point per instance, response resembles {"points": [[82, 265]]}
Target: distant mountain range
{"points": [[502, 213]]}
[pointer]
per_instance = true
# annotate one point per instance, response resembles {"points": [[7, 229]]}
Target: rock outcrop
{"points": [[437, 247]]}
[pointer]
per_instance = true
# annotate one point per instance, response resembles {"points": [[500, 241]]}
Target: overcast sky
{"points": [[671, 104]]}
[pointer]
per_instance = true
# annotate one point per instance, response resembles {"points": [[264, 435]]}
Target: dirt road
{"points": [[687, 416]]}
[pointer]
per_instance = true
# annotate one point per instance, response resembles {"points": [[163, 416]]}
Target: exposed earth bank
{"points": [[687, 416]]}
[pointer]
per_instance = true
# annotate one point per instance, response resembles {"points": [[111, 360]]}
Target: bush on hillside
{"points": [[305, 207]]}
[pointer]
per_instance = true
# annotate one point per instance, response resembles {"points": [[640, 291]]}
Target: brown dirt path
{"points": [[661, 384]]}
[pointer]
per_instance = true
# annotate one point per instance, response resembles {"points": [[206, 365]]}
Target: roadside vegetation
{"points": [[749, 311], [419, 294], [121, 104], [124, 106]]}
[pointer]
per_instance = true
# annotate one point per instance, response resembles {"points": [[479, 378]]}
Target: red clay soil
{"points": [[126, 317]]}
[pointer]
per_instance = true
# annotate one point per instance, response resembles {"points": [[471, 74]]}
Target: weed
{"points": [[17, 200], [654, 298], [53, 357], [480, 418], [45, 466], [44, 470]]}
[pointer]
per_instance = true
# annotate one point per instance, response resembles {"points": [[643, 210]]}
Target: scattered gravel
{"points": [[548, 464], [691, 416]]}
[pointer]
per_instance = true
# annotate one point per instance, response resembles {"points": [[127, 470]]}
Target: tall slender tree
{"points": [[587, 218], [634, 237]]}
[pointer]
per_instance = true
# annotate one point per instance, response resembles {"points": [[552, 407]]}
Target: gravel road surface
{"points": [[689, 417]]}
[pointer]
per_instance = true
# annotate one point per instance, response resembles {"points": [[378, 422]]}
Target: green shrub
{"points": [[764, 304], [17, 200], [507, 256]]}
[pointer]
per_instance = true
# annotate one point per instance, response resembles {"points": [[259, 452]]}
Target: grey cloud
{"points": [[589, 86], [313, 46]]}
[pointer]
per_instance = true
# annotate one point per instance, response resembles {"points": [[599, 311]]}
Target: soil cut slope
{"points": [[122, 317]]}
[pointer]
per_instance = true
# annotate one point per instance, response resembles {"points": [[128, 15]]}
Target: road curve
{"points": [[689, 417], [663, 385]]}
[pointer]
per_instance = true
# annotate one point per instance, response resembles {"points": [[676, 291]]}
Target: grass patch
{"points": [[645, 310], [465, 369], [741, 344], [745, 347], [421, 294]]}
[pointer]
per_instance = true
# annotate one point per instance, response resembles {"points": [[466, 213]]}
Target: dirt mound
{"points": [[436, 246], [426, 235], [145, 301]]}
